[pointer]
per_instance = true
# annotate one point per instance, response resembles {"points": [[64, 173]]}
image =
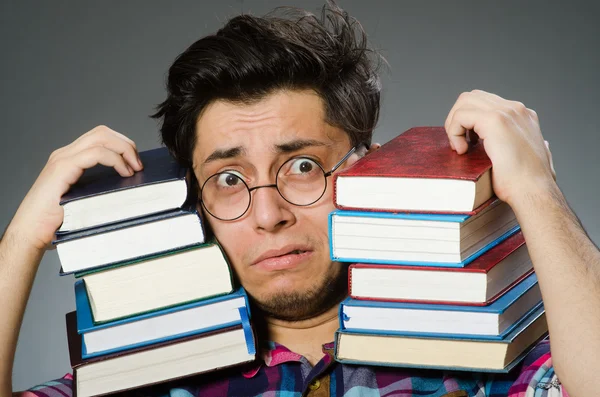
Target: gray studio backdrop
{"points": [[68, 66]]}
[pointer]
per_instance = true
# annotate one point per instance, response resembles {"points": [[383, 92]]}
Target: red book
{"points": [[479, 283], [417, 172], [164, 361]]}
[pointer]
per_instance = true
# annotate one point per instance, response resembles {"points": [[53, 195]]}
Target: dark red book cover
{"points": [[483, 264], [75, 350], [420, 152]]}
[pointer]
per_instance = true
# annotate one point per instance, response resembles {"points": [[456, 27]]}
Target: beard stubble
{"points": [[303, 305]]}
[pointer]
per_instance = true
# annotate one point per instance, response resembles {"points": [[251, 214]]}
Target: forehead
{"points": [[278, 118]]}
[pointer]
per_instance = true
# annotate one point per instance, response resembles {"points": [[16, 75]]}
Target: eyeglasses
{"points": [[301, 181]]}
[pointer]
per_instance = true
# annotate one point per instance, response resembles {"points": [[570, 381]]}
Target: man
{"points": [[301, 92]]}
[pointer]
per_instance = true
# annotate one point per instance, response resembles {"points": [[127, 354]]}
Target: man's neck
{"points": [[305, 337]]}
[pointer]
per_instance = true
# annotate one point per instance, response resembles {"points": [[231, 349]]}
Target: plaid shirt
{"points": [[282, 373]]}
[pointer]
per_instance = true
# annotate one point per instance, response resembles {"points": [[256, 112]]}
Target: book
{"points": [[416, 172], [418, 319], [419, 239], [480, 282], [158, 326], [128, 240], [451, 353], [101, 196], [133, 288], [157, 363]]}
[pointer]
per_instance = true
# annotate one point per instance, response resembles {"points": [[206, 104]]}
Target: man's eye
{"points": [[229, 179], [302, 166]]}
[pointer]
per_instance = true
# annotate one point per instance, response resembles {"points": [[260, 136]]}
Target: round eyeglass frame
{"points": [[274, 185]]}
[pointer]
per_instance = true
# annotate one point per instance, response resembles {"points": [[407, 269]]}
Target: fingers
{"points": [[105, 156], [474, 99], [468, 104], [105, 137], [100, 145], [472, 109], [463, 119], [67, 170]]}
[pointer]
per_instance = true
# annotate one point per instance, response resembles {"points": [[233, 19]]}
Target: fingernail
{"points": [[130, 170], [140, 162]]}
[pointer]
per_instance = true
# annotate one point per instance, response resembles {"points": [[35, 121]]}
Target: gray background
{"points": [[69, 66]]}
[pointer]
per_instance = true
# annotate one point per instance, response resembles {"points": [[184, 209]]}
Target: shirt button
{"points": [[314, 385]]}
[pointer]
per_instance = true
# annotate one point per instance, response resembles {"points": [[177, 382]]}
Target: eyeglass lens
{"points": [[300, 181]]}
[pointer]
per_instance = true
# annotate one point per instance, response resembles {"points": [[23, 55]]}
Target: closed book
{"points": [[158, 326], [129, 240], [418, 319], [157, 363], [416, 171], [101, 196], [163, 281], [443, 352], [418, 239], [480, 282]]}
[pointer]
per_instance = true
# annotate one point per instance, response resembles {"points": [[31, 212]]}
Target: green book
{"points": [[167, 280]]}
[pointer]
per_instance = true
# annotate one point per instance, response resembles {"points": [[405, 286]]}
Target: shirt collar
{"points": [[273, 354]]}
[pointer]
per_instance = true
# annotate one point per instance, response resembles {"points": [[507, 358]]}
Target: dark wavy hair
{"points": [[287, 49]]}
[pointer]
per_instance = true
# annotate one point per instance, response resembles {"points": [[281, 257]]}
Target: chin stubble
{"points": [[303, 305]]}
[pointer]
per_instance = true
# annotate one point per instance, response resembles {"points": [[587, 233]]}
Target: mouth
{"points": [[282, 259]]}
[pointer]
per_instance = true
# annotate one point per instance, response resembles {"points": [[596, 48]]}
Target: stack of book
{"points": [[155, 300], [441, 276]]}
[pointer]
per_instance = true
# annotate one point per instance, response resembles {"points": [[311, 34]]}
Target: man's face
{"points": [[279, 251]]}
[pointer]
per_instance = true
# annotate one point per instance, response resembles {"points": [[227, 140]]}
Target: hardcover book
{"points": [[101, 196], [418, 319], [158, 326], [129, 240], [450, 353], [416, 172], [133, 288], [418, 239], [480, 282], [157, 363]]}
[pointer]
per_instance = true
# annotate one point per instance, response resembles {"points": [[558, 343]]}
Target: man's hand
{"points": [[40, 214], [566, 261], [521, 159]]}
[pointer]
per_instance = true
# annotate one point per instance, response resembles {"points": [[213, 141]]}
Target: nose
{"points": [[269, 210]]}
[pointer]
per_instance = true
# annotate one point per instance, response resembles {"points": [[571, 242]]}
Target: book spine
{"points": [[248, 332]]}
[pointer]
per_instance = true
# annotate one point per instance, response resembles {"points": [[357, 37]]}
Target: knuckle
{"points": [[464, 96], [54, 155], [533, 114], [497, 117], [100, 128], [98, 132], [57, 165], [519, 107]]}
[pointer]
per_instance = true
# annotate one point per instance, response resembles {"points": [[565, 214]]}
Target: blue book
{"points": [[159, 326], [418, 239], [416, 319], [101, 196], [443, 352]]}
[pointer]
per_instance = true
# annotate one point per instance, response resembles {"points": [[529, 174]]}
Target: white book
{"points": [[128, 240], [454, 240]]}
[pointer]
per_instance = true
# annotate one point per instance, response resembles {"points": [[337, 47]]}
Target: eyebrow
{"points": [[297, 144], [282, 148], [222, 154]]}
